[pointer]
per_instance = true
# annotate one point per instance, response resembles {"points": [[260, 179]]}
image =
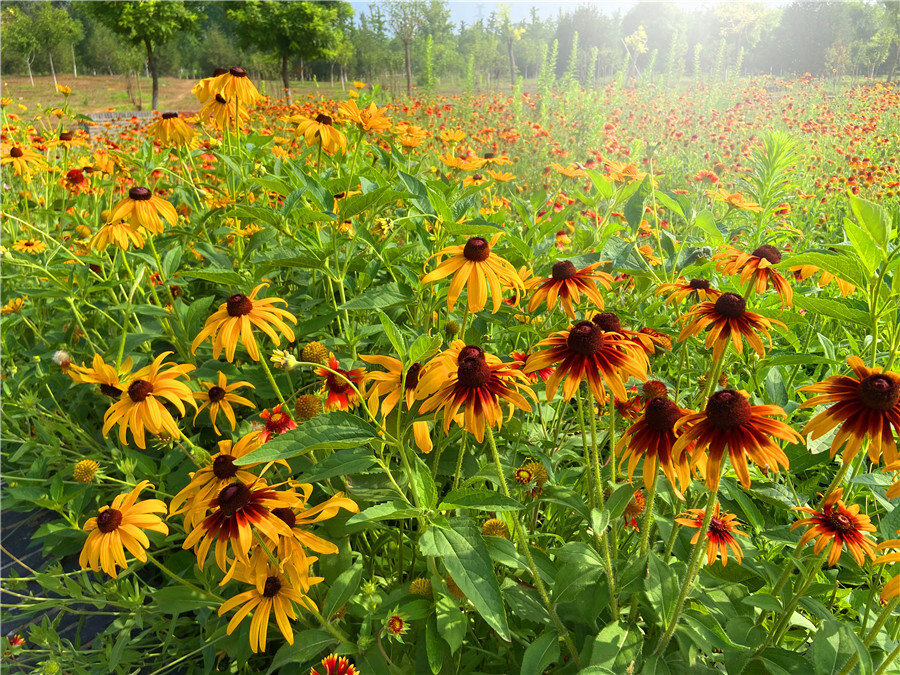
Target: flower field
{"points": [[589, 381]]}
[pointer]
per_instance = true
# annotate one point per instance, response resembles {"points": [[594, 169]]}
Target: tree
{"points": [[150, 23], [55, 29], [18, 36], [307, 30], [407, 18]]}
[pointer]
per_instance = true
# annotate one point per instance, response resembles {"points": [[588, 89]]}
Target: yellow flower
{"points": [[475, 267], [222, 112], [234, 321], [32, 246], [734, 200], [141, 208], [171, 129], [219, 397], [319, 131], [110, 378], [369, 118], [121, 525], [23, 160], [359, 85], [13, 306], [140, 407], [119, 233], [234, 84], [63, 89]]}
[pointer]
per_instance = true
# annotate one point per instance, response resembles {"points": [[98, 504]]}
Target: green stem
{"points": [[523, 540], [784, 620], [588, 453], [614, 537], [889, 660], [459, 459], [692, 570], [271, 379], [648, 515], [182, 581], [327, 625], [870, 638]]}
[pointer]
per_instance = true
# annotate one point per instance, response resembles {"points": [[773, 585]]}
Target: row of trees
{"points": [[417, 40]]}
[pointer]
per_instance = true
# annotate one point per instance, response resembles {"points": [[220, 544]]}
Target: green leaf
{"points": [[451, 622], [540, 654], [835, 642], [764, 601], [863, 244], [171, 261], [177, 599], [846, 267], [834, 309], [395, 510], [422, 481], [601, 182], [474, 228], [595, 670], [707, 222], [616, 645], [424, 348], [478, 498], [752, 513], [379, 297], [334, 430], [874, 219], [661, 585], [307, 645], [393, 334], [345, 462], [351, 206], [619, 500], [434, 646], [466, 558], [342, 590], [230, 279]]}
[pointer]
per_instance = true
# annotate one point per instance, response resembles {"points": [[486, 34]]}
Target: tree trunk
{"points": [[512, 61], [74, 66], [285, 82], [408, 68], [332, 73], [28, 63], [52, 71], [154, 75]]}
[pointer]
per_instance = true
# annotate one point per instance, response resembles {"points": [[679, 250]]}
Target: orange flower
{"points": [[734, 200], [367, 119], [720, 535], [838, 524], [756, 266], [866, 406], [341, 395], [728, 319], [681, 290], [567, 283]]}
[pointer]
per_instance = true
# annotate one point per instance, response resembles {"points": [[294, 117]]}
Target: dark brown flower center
{"points": [[139, 390], [585, 338], [324, 119], [768, 252], [219, 71], [563, 270], [717, 526], [237, 71], [169, 115], [412, 375], [286, 514], [223, 467], [879, 392], [110, 390], [238, 305], [840, 522], [216, 394], [16, 152], [490, 155], [140, 194], [65, 136], [473, 373], [109, 520], [727, 410], [731, 305], [470, 352], [273, 585], [661, 414], [233, 498], [477, 249], [699, 284], [608, 322], [220, 99]]}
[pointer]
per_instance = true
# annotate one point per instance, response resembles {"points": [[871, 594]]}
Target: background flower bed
{"points": [[647, 185]]}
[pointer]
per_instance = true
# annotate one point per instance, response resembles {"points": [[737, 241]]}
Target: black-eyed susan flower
{"points": [[609, 322], [386, 387], [892, 587], [209, 480], [23, 160], [586, 352], [478, 385], [867, 406], [319, 131], [235, 319], [520, 361], [478, 269], [219, 396], [370, 118], [734, 200], [652, 438], [340, 395], [121, 525], [838, 525], [729, 421], [238, 509], [171, 130], [234, 84], [699, 289], [334, 664], [223, 113], [756, 267], [205, 89], [112, 380], [141, 208], [720, 535], [119, 233], [277, 422], [140, 407], [568, 283], [272, 592], [30, 245], [728, 320]]}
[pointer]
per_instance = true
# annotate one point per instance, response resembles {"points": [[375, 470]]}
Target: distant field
{"points": [[92, 94]]}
